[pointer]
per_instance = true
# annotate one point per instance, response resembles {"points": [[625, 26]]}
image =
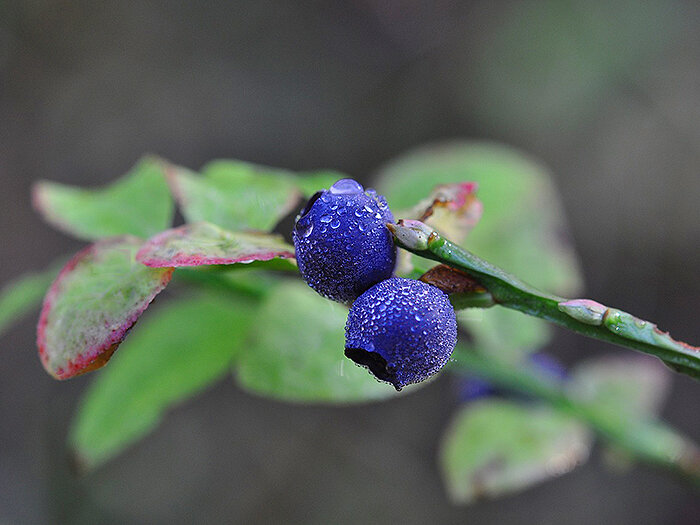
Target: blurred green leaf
{"points": [[504, 334], [238, 196], [93, 303], [296, 352], [495, 447], [629, 392], [20, 296], [138, 204], [629, 387], [203, 243], [176, 352], [522, 228], [235, 195], [549, 65], [313, 181]]}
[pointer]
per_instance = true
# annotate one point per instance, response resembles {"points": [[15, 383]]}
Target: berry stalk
{"points": [[580, 315]]}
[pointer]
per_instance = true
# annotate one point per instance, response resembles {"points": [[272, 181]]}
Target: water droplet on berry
{"points": [[335, 224], [345, 187], [326, 218], [309, 230]]}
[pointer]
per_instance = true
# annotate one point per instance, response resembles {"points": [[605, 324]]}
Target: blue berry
{"points": [[403, 330], [342, 244], [471, 387], [548, 367]]}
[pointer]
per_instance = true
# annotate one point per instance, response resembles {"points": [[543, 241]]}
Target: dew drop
{"points": [[309, 230], [335, 224], [326, 218], [345, 187]]}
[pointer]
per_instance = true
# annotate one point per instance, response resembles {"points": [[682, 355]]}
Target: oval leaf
{"points": [[177, 351], [296, 352], [630, 387], [522, 228], [235, 195], [495, 447], [203, 243], [92, 304], [238, 195], [138, 204]]}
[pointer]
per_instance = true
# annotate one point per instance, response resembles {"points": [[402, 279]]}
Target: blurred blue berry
{"points": [[548, 366], [342, 244], [403, 330], [471, 387]]}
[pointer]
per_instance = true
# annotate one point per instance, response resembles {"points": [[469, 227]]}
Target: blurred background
{"points": [[607, 94]]}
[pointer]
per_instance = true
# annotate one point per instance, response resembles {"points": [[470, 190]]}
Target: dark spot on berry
{"points": [[375, 363]]}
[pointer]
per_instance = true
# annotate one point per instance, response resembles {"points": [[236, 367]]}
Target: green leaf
{"points": [[296, 352], [629, 392], [238, 195], [93, 303], [20, 296], [176, 352], [494, 447], [622, 387], [522, 228], [504, 334], [312, 181], [203, 243], [138, 204]]}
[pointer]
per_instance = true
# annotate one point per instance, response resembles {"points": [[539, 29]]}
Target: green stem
{"points": [[649, 441], [580, 315]]}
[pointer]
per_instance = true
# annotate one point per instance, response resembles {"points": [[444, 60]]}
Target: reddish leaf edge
{"points": [[183, 260], [455, 197], [97, 356]]}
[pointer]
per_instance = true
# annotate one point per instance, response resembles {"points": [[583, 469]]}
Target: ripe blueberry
{"points": [[342, 244], [403, 330]]}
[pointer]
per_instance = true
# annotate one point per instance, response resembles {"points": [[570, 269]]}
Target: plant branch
{"points": [[580, 315]]}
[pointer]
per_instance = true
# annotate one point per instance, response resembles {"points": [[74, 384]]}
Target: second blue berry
{"points": [[403, 330]]}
